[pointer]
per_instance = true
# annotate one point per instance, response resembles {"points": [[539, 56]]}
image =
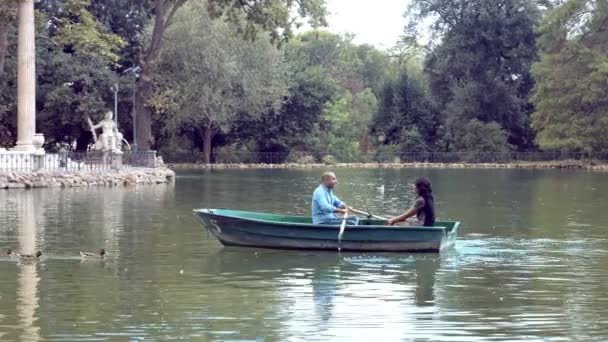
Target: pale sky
{"points": [[376, 22]]}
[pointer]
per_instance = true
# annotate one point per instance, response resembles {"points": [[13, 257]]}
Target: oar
{"points": [[368, 214], [342, 227]]}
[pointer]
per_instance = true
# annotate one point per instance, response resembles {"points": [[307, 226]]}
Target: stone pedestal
{"points": [[38, 158], [116, 158], [26, 83]]}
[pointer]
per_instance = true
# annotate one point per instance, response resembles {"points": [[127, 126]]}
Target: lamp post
{"points": [[134, 70], [115, 90], [133, 111]]}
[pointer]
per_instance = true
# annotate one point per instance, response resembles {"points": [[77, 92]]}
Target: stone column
{"points": [[26, 120]]}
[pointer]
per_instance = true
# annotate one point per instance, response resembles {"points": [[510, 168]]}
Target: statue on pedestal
{"points": [[110, 140]]}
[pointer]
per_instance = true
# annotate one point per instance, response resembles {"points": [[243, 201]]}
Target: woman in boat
{"points": [[423, 208]]}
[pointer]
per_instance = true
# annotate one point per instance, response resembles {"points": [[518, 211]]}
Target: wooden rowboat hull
{"points": [[254, 229]]}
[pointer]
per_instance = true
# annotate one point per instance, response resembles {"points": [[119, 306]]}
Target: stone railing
{"points": [[76, 161]]}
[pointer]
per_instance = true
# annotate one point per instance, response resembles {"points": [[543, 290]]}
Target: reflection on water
{"points": [[27, 302], [27, 279], [530, 263]]}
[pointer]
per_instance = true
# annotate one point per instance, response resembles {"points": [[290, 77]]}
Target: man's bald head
{"points": [[328, 179]]}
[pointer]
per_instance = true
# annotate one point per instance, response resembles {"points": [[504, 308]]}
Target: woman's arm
{"points": [[419, 203], [409, 213]]}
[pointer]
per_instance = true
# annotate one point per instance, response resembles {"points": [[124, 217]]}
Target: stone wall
{"points": [[566, 164], [48, 179]]}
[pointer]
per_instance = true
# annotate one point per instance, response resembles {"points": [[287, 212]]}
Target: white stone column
{"points": [[26, 120]]}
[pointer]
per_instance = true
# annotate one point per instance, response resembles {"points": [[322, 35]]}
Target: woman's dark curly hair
{"points": [[423, 187]]}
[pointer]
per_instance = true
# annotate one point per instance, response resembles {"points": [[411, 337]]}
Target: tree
{"points": [[128, 20], [73, 27], [484, 142], [572, 78], [331, 98], [291, 126], [348, 119], [75, 54], [76, 57], [248, 17], [71, 88], [8, 84], [481, 67], [210, 80], [406, 114], [8, 13]]}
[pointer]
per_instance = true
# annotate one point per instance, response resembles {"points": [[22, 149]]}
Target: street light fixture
{"points": [[115, 90], [135, 71]]}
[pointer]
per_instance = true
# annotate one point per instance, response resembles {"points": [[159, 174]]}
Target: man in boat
{"points": [[423, 208], [327, 208]]}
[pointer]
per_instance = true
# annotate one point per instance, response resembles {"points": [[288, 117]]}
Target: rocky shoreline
{"points": [[50, 179], [565, 164]]}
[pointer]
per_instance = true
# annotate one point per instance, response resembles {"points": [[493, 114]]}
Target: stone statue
{"points": [[110, 140]]}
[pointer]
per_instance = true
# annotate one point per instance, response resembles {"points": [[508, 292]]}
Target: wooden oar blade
{"points": [[342, 227]]}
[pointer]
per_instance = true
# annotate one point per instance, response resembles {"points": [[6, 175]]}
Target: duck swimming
{"points": [[90, 255], [27, 257]]}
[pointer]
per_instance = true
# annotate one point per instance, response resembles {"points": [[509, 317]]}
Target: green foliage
{"points": [[412, 141], [270, 16], [349, 116], [8, 108], [234, 153], [469, 90], [481, 67], [77, 30], [126, 19], [71, 86], [572, 78], [483, 137], [406, 116], [483, 142], [8, 12], [388, 153], [213, 79], [290, 126], [7, 74], [329, 160], [346, 121], [330, 99], [306, 159]]}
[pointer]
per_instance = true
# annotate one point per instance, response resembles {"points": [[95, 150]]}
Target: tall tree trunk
{"points": [[207, 147], [143, 114], [3, 42], [165, 10]]}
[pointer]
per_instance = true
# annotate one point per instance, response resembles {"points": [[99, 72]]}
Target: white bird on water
{"points": [[381, 188]]}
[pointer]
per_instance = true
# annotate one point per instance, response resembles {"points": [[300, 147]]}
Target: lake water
{"points": [[531, 262]]}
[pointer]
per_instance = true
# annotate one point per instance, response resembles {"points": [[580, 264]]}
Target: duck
{"points": [[90, 255], [28, 257], [10, 253]]}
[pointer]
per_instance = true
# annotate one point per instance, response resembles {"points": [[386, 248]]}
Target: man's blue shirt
{"points": [[324, 203]]}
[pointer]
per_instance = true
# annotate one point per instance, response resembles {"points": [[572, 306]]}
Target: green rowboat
{"points": [[264, 230]]}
